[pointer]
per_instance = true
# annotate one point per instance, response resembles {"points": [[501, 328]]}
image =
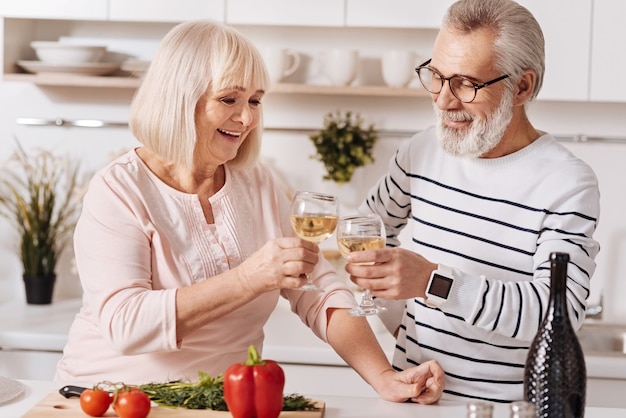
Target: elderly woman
{"points": [[184, 244]]}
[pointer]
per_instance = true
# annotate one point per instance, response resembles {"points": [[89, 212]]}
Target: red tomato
{"points": [[131, 403], [95, 402]]}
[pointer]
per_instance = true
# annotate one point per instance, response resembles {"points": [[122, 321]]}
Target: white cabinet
{"points": [[165, 11], [582, 52], [568, 46], [396, 13], [608, 52], [56, 9], [285, 12]]}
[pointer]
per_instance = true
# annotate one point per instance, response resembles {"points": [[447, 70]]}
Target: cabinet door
{"points": [[285, 12], [57, 9], [568, 47], [165, 11], [396, 13], [608, 57]]}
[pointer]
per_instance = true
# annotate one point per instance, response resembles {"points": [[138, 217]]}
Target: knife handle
{"points": [[71, 391]]}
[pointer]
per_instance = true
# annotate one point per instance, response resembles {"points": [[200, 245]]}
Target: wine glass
{"points": [[360, 233], [314, 218]]}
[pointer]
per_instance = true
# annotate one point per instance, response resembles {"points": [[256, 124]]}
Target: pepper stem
{"points": [[253, 357]]}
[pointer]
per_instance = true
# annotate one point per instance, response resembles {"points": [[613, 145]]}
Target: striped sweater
{"points": [[494, 222]]}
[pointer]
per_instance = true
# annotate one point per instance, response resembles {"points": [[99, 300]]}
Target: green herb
{"points": [[343, 145], [208, 393], [296, 402]]}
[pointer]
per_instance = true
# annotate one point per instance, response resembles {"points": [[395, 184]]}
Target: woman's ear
{"points": [[525, 87]]}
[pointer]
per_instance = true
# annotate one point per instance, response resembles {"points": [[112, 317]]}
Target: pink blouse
{"points": [[138, 240]]}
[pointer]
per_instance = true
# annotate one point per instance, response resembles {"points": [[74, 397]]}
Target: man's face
{"points": [[470, 129], [480, 135]]}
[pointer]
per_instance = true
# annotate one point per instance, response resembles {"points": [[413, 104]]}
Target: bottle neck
{"points": [[558, 284]]}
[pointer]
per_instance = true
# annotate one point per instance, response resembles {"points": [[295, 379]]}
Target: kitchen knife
{"points": [[71, 391]]}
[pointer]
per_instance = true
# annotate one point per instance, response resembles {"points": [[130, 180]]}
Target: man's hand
{"points": [[421, 384], [396, 273]]}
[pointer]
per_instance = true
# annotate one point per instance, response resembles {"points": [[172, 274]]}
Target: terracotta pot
{"points": [[39, 289]]}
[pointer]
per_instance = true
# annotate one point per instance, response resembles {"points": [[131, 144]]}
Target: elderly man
{"points": [[487, 198]]}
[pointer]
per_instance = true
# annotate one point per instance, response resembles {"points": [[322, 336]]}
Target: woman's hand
{"points": [[421, 384], [280, 263]]}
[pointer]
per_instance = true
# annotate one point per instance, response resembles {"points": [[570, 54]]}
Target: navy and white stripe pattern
{"points": [[495, 222]]}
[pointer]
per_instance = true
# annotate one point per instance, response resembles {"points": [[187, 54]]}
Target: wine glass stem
{"points": [[367, 298]]}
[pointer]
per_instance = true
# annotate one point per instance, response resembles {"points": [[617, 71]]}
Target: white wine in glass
{"points": [[314, 218], [314, 228], [360, 233]]}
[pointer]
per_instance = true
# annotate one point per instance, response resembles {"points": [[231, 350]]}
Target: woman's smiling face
{"points": [[224, 118]]}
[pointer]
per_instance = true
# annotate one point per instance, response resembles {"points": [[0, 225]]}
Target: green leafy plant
{"points": [[37, 196], [344, 145]]}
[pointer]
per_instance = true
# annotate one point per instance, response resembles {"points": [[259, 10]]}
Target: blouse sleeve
{"points": [[113, 253], [311, 307]]}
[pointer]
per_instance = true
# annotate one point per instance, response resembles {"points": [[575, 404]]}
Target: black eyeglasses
{"points": [[461, 87]]}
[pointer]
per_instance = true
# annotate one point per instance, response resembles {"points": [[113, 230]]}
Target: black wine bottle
{"points": [[555, 376]]}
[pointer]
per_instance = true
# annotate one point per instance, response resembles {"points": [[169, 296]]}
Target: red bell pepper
{"points": [[254, 389]]}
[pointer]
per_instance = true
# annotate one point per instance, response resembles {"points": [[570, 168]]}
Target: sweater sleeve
{"points": [[516, 308], [391, 197]]}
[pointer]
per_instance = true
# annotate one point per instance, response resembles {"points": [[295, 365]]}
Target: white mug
{"points": [[281, 63], [398, 67], [341, 66]]}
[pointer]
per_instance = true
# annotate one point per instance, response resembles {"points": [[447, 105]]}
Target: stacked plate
{"points": [[135, 67], [9, 389], [58, 57]]}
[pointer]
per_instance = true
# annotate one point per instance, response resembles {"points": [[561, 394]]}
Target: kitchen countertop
{"points": [[45, 328], [36, 327], [336, 406], [287, 340]]}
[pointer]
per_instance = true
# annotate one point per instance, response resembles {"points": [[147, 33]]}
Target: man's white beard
{"points": [[482, 135]]}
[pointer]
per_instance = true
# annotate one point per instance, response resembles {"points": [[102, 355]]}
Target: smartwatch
{"points": [[439, 286]]}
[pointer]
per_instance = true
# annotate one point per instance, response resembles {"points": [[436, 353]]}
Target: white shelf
{"points": [[349, 90], [71, 80]]}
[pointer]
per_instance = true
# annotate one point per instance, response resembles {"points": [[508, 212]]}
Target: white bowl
{"points": [[67, 54]]}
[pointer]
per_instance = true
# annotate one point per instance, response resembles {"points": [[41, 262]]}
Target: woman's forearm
{"points": [[353, 339]]}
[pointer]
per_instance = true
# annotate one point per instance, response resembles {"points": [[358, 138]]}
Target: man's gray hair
{"points": [[519, 44]]}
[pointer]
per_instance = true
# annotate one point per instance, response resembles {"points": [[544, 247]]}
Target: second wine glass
{"points": [[360, 233], [314, 218]]}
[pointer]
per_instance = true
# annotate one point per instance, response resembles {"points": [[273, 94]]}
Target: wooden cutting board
{"points": [[56, 406]]}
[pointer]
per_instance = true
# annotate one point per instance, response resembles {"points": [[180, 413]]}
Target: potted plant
{"points": [[37, 197], [344, 145]]}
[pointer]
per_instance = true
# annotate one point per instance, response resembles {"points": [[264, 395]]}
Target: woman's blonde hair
{"points": [[192, 58]]}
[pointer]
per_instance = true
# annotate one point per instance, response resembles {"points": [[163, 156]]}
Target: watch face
{"points": [[440, 286]]}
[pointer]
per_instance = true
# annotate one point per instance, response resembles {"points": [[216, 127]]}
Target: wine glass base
{"points": [[366, 310], [310, 287]]}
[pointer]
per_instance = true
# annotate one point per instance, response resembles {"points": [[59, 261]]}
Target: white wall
{"points": [[290, 153]]}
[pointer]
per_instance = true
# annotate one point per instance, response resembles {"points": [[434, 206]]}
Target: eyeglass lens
{"points": [[462, 88]]}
